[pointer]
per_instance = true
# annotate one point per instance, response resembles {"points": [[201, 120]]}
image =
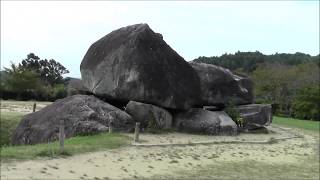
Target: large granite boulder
{"points": [[81, 114], [149, 115], [219, 86], [135, 63], [255, 115], [201, 121]]}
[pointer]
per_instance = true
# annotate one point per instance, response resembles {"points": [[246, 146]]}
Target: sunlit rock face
{"points": [[135, 63]]}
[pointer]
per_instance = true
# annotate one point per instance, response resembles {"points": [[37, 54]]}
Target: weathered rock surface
{"points": [[147, 113], [197, 120], [255, 115], [219, 86], [135, 63], [81, 114]]}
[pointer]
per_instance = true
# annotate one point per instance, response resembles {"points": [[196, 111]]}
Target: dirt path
{"points": [[149, 162]]}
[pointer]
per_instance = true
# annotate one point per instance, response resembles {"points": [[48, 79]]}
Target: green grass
{"points": [[8, 123], [74, 145], [297, 123]]}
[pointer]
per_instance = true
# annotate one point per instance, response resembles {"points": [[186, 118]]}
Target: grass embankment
{"points": [[74, 145], [8, 123], [297, 123]]}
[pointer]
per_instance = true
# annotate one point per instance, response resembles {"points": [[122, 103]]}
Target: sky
{"points": [[64, 30]]}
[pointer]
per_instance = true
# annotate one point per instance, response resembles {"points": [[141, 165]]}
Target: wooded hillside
{"points": [[288, 81]]}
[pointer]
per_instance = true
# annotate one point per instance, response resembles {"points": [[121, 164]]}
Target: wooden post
{"points": [[110, 124], [34, 106], [61, 135], [136, 132]]}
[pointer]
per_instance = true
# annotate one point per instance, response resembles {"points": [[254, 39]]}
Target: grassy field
{"points": [[21, 106], [5, 103], [11, 114], [297, 123], [8, 123], [74, 145]]}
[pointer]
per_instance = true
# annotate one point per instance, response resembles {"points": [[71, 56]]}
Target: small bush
{"points": [[234, 114], [153, 126]]}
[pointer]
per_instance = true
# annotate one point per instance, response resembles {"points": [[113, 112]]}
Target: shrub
{"points": [[153, 126], [234, 114], [59, 91], [306, 104]]}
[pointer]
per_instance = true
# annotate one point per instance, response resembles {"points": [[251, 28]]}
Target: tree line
{"points": [[33, 78], [247, 62], [290, 82]]}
